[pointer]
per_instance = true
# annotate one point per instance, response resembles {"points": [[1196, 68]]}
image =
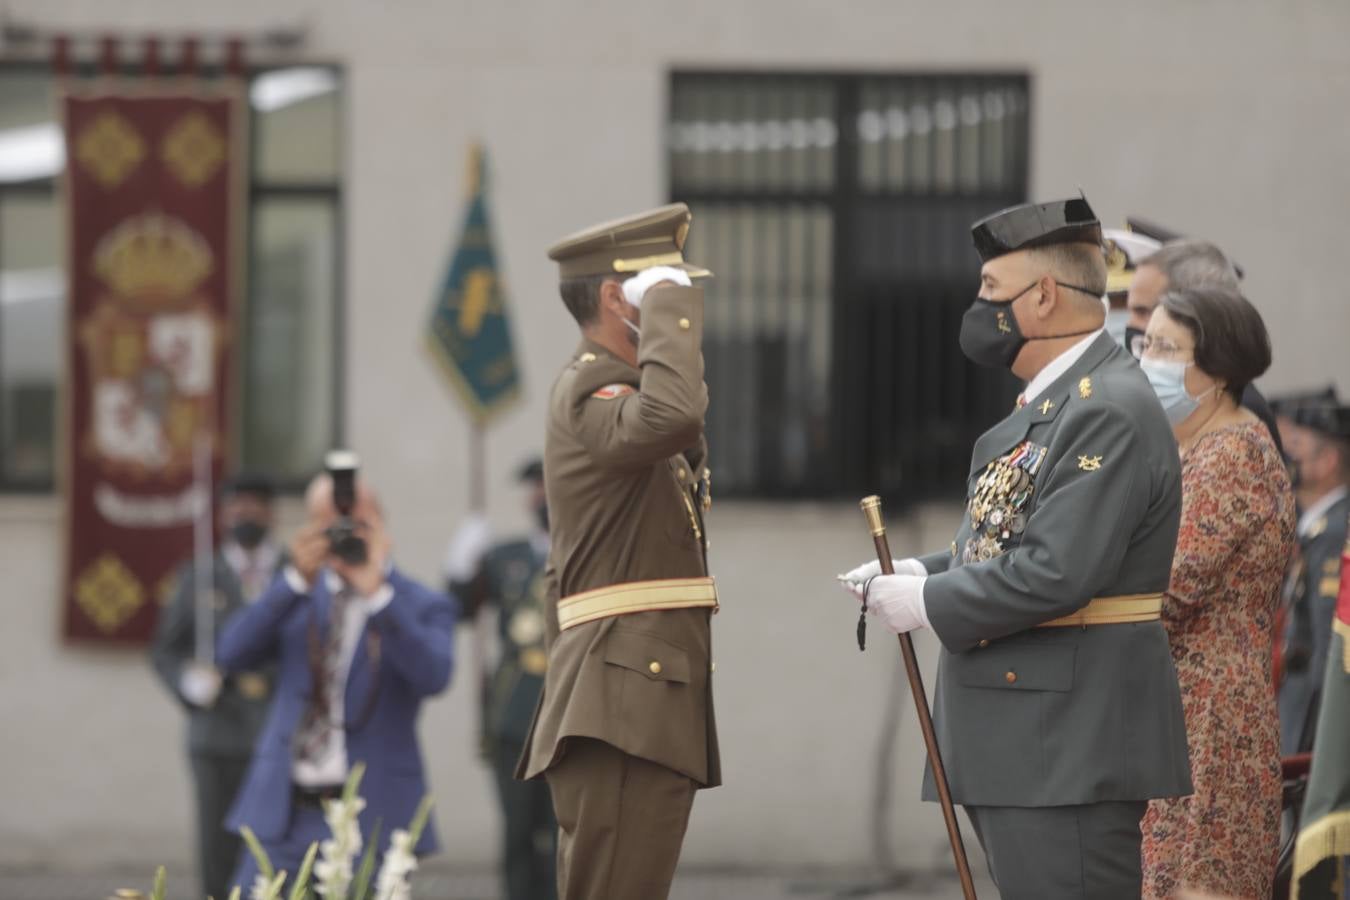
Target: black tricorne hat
{"points": [[1036, 225], [254, 484], [1320, 411], [531, 470]]}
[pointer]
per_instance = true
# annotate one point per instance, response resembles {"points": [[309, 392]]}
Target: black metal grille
{"points": [[835, 210]]}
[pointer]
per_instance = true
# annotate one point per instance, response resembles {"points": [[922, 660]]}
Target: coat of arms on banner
{"points": [[152, 347]]}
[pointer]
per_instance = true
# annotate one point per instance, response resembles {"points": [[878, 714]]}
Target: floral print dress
{"points": [[1237, 532]]}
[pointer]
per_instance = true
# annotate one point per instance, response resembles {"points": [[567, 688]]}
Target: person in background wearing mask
{"points": [[1186, 264], [1316, 431], [1124, 250], [510, 578], [1057, 707], [224, 713], [1201, 350]]}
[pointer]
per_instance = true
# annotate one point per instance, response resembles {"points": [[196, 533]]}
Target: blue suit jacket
{"points": [[405, 655]]}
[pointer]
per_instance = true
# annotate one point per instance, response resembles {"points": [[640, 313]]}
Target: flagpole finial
{"points": [[476, 167]]}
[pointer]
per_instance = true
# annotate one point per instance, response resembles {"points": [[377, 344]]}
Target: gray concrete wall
{"points": [[95, 772], [1224, 118]]}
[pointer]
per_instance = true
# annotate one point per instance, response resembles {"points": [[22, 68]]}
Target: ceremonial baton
{"points": [[871, 507]]}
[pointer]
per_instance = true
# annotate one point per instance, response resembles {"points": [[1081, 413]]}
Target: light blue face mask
{"points": [[1116, 321], [1169, 383]]}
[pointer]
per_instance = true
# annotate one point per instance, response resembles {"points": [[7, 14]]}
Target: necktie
{"points": [[322, 714]]}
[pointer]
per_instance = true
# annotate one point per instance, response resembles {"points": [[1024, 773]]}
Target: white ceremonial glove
{"points": [[896, 601], [635, 288], [467, 547], [859, 576], [200, 685]]}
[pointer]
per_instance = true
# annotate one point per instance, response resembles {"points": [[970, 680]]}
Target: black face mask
{"points": [[541, 516], [990, 335], [1295, 474], [1132, 337], [248, 533]]}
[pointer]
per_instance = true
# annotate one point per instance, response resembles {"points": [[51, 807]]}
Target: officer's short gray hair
{"points": [[1080, 264], [1192, 265]]}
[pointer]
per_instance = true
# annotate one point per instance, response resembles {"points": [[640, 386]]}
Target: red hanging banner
{"points": [[154, 190]]}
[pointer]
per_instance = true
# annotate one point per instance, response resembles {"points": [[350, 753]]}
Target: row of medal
{"points": [[998, 505]]}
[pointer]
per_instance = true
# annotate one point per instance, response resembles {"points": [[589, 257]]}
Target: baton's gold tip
{"points": [[871, 507]]}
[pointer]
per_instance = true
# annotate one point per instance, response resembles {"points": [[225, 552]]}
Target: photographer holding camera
{"points": [[357, 646]]}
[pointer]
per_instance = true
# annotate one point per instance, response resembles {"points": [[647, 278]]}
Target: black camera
{"points": [[343, 541]]}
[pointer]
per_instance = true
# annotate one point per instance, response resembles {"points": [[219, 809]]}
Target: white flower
{"points": [[333, 869], [261, 890], [399, 864]]}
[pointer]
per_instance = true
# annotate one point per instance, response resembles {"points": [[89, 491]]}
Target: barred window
{"points": [[835, 211]]}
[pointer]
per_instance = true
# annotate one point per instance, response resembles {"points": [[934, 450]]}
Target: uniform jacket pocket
{"points": [[650, 656], [1019, 669]]}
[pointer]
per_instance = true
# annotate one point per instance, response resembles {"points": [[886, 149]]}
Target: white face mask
{"points": [[1169, 383]]}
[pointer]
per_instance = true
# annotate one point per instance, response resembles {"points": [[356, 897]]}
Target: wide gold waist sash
{"points": [[636, 597], [1112, 611]]}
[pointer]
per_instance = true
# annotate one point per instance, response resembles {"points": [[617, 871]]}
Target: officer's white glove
{"points": [[896, 601], [200, 685], [467, 547], [859, 576], [635, 288]]}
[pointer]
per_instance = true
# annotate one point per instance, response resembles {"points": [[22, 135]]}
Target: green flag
{"points": [[468, 332], [1321, 871]]}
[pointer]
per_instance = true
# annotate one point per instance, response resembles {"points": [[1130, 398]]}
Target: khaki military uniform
{"points": [[624, 731]]}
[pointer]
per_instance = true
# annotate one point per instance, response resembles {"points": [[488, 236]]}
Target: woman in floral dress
{"points": [[1237, 529]]}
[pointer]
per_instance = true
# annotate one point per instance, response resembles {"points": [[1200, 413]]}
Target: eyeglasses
{"points": [[1142, 345]]}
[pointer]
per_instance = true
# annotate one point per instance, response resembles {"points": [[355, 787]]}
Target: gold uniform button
{"points": [[1010, 677], [654, 667], [684, 324], [681, 473], [983, 644], [587, 357], [712, 668]]}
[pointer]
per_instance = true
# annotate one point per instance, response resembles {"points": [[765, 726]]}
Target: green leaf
{"points": [[300, 886], [157, 892], [366, 870], [353, 782], [259, 854], [274, 889], [420, 818], [235, 894]]}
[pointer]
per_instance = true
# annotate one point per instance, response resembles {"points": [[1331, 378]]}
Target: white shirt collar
{"points": [[1058, 366], [1319, 508]]}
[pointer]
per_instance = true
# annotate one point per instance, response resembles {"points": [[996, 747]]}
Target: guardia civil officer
{"points": [[510, 578], [1057, 707], [224, 712], [624, 732], [1316, 431]]}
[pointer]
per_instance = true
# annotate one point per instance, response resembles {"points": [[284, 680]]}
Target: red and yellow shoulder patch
{"points": [[611, 391]]}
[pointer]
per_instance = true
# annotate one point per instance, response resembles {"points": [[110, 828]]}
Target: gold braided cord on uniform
{"points": [[1327, 838], [1112, 611], [635, 597]]}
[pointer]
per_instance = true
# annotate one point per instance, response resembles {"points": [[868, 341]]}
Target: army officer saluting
{"points": [[624, 730], [1057, 708]]}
